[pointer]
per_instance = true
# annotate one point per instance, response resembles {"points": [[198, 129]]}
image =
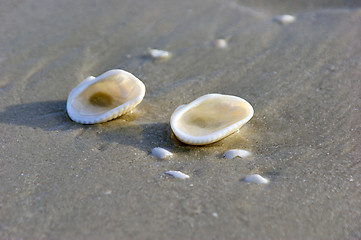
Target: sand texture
{"points": [[63, 180]]}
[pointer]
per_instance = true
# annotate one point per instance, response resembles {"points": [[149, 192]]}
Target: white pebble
{"points": [[221, 43], [177, 174], [255, 178], [161, 153], [159, 54], [236, 153], [285, 19]]}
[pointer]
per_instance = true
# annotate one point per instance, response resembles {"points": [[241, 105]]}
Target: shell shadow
{"points": [[129, 129], [47, 115], [144, 136]]}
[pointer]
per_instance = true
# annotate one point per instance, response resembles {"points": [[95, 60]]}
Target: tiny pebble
{"points": [[159, 54], [161, 153], [255, 178], [236, 153], [177, 174], [285, 19], [215, 214]]}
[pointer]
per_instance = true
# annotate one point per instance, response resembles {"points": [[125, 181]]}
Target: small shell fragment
{"points": [[236, 153], [255, 178], [107, 192], [177, 174], [210, 118], [284, 19], [221, 43], [108, 96], [161, 153], [159, 54]]}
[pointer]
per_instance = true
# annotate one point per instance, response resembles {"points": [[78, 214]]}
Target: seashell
{"points": [[210, 118], [236, 153], [221, 43], [159, 54], [256, 178], [161, 153], [177, 174], [284, 19], [108, 96]]}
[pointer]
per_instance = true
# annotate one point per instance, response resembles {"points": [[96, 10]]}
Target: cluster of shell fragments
{"points": [[114, 93]]}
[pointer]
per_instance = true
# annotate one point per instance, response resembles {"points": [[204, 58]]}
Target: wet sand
{"points": [[63, 180]]}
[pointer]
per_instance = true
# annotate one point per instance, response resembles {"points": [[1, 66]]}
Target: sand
{"points": [[63, 180]]}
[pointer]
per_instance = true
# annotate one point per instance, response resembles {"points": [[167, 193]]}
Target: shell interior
{"points": [[102, 96], [210, 116]]}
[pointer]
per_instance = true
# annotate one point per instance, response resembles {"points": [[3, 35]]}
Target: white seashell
{"points": [[255, 178], [236, 153], [221, 43], [108, 96], [285, 19], [177, 174], [161, 153], [210, 118], [159, 54]]}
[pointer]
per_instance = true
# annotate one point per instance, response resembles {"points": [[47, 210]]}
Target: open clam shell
{"points": [[108, 96], [210, 118]]}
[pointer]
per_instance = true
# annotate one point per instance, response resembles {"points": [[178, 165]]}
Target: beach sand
{"points": [[63, 180]]}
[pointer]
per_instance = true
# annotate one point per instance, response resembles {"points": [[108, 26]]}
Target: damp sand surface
{"points": [[63, 180]]}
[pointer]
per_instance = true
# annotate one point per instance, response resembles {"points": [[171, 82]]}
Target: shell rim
{"points": [[215, 136], [111, 114]]}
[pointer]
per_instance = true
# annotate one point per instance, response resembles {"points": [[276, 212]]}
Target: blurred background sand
{"points": [[63, 180]]}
